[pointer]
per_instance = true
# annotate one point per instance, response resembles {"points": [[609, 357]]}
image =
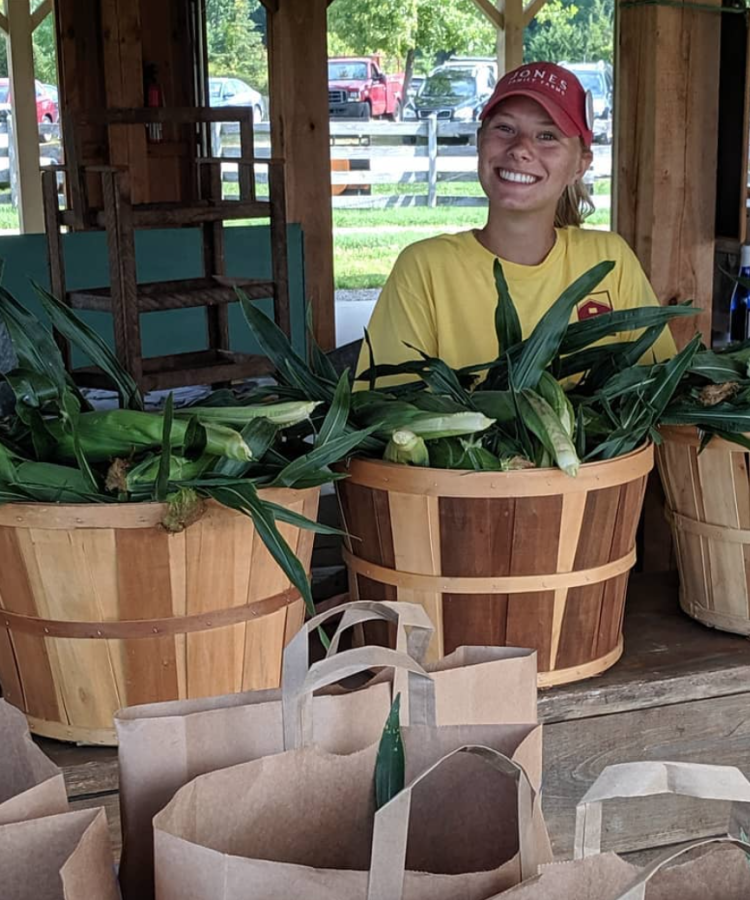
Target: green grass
{"points": [[366, 242]]}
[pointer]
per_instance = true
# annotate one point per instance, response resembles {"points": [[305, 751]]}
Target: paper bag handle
{"points": [[412, 616], [649, 779], [391, 827], [297, 706], [636, 889]]}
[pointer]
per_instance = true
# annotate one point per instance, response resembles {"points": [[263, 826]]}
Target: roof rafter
{"points": [[531, 9], [492, 12]]}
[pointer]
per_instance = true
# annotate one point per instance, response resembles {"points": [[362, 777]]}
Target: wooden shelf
{"points": [[202, 367], [183, 294]]}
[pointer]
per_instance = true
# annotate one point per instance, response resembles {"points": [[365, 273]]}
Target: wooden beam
{"points": [[40, 14], [271, 5], [300, 135], [510, 38], [530, 10], [123, 78], [667, 77], [3, 23], [492, 13], [23, 112]]}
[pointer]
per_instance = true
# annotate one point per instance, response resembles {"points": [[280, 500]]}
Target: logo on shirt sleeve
{"points": [[594, 305]]}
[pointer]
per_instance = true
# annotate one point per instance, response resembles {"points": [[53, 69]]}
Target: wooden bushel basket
{"points": [[708, 505], [529, 558], [101, 608]]}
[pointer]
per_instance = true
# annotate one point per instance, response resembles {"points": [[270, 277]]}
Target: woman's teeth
{"points": [[518, 177]]}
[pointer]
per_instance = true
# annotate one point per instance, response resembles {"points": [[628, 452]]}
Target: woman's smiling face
{"points": [[525, 160]]}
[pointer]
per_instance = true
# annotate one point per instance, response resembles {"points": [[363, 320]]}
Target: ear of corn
{"points": [[282, 415], [407, 448], [546, 425]]}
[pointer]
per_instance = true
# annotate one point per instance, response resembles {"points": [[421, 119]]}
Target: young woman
{"points": [[534, 148]]}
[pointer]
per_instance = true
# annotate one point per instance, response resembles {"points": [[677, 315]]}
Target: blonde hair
{"points": [[574, 205]]}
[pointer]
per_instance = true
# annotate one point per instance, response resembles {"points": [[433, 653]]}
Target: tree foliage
{"points": [[575, 32], [236, 41], [393, 28]]}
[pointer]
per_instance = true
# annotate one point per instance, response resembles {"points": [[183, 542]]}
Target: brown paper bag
{"points": [[65, 857], [31, 785], [303, 823], [163, 746], [722, 872]]}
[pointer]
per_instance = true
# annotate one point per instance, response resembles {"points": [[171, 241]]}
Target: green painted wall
{"points": [[161, 255]]}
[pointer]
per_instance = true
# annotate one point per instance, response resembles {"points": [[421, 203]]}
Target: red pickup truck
{"points": [[359, 89]]}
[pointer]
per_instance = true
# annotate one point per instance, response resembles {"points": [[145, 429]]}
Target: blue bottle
{"points": [[739, 319]]}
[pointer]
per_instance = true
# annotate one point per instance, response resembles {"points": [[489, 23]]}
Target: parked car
{"points": [[414, 85], [597, 78], [46, 105], [452, 92], [359, 89], [223, 91]]}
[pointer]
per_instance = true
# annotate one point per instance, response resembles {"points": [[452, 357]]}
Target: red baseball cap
{"points": [[556, 89]]}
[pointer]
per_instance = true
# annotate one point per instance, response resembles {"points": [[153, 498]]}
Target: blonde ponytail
{"points": [[574, 206]]}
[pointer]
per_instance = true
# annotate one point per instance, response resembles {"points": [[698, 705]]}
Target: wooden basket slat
{"points": [[143, 590], [469, 619], [741, 481], [70, 687], [34, 686], [541, 528], [83, 673], [418, 551]]}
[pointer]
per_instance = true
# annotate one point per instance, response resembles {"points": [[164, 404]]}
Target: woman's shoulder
{"points": [[605, 244], [432, 249]]}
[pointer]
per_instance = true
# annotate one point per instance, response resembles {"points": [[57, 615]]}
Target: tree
{"points": [[235, 43], [581, 32], [400, 28]]}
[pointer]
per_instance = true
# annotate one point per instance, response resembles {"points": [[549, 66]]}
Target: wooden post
{"points": [[432, 152], [510, 38], [25, 133], [123, 79], [667, 79], [300, 135]]}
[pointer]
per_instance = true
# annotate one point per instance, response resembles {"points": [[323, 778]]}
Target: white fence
{"points": [[366, 154], [367, 157]]}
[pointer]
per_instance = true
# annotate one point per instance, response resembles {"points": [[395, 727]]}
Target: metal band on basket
{"points": [[144, 628], [495, 584]]}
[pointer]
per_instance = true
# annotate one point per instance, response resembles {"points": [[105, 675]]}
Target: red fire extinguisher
{"points": [[154, 100]]}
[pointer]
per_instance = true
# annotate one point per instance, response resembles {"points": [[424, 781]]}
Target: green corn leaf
{"points": [[496, 405], [289, 517], [88, 341], [390, 763], [31, 388], [244, 498], [507, 324], [717, 369], [590, 331], [7, 465], [161, 486], [330, 452], [319, 362], [629, 356], [660, 392], [32, 342], [724, 417], [439, 376], [70, 423], [259, 435], [335, 422], [545, 341], [289, 365], [588, 358], [371, 368], [542, 420]]}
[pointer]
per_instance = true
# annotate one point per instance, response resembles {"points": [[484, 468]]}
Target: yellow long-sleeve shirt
{"points": [[441, 295]]}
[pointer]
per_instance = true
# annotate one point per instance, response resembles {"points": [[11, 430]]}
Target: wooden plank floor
{"points": [[680, 692]]}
